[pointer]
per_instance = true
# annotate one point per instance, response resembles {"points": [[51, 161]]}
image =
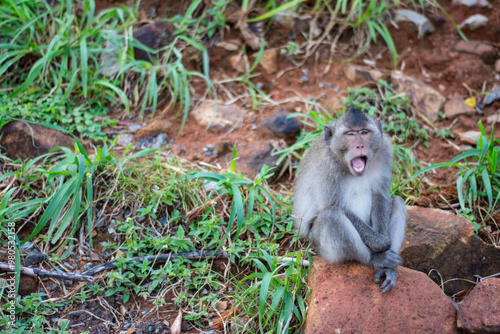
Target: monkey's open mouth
{"points": [[358, 164]]}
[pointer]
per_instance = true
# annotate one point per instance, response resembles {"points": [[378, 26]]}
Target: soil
{"points": [[431, 60]]}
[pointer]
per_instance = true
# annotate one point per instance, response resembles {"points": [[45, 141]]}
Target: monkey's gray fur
{"points": [[341, 197]]}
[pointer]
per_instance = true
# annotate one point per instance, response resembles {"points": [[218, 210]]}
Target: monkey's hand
{"points": [[390, 278], [385, 259]]}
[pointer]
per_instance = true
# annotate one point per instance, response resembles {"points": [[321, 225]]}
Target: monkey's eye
{"points": [[364, 132], [351, 133]]}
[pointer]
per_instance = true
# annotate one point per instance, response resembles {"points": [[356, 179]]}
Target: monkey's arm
{"points": [[375, 241], [380, 215]]}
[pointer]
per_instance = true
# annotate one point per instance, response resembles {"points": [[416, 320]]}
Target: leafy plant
{"points": [[277, 293], [478, 175], [86, 119]]}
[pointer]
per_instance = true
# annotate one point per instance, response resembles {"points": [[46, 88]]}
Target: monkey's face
{"points": [[358, 153], [354, 146]]}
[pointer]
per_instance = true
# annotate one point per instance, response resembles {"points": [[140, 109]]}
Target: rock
{"points": [[457, 106], [192, 58], [133, 128], [485, 51], [420, 21], [426, 100], [495, 118], [34, 257], [230, 45], [24, 141], [156, 127], [268, 60], [345, 299], [470, 3], [239, 62], [252, 156], [125, 139], [27, 285], [474, 22], [218, 117], [480, 311], [470, 137], [110, 63], [155, 36], [497, 65], [493, 96], [357, 74], [279, 125], [445, 242]]}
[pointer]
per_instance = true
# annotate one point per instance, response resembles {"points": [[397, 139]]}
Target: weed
{"points": [[85, 119]]}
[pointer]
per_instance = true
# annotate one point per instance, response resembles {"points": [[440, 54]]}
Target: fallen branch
{"points": [[87, 275], [47, 273], [160, 258]]}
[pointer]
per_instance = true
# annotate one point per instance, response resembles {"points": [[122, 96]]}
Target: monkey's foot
{"points": [[386, 259], [390, 278]]}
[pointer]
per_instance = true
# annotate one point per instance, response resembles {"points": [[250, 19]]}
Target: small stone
{"points": [[34, 257], [456, 106], [493, 96], [420, 21], [495, 118], [470, 137], [474, 22], [87, 266], [125, 139], [134, 128], [304, 78], [230, 45], [280, 125], [163, 220], [357, 74], [470, 3], [269, 60], [100, 222], [485, 51]]}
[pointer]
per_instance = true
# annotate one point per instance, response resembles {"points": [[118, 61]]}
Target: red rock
{"points": [[480, 311], [27, 141], [345, 299], [444, 243]]}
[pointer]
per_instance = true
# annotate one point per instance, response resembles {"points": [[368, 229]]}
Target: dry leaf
{"points": [[175, 328]]}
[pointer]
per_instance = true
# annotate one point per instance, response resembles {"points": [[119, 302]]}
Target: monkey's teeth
{"points": [[358, 164]]}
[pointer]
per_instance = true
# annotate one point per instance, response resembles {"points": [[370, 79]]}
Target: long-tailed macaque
{"points": [[341, 197]]}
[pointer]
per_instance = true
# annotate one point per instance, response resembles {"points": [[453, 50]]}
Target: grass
{"points": [[155, 205], [478, 181]]}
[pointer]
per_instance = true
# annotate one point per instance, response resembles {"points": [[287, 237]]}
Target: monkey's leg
{"points": [[397, 224], [397, 227], [335, 238]]}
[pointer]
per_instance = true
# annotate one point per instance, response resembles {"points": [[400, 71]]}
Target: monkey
{"points": [[342, 200]]}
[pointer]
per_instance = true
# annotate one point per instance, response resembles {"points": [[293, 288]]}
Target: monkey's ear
{"points": [[329, 130]]}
